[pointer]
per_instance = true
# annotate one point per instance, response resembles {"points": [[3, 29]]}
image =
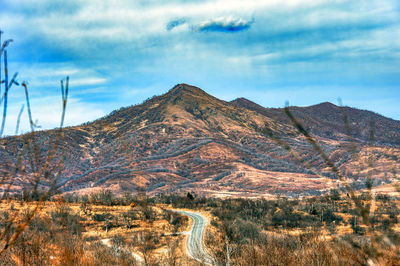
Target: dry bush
{"points": [[23, 157], [380, 243]]}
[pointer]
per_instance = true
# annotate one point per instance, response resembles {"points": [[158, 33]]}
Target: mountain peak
{"points": [[243, 101], [184, 88], [240, 99], [188, 140], [246, 103], [188, 94], [323, 107], [325, 104]]}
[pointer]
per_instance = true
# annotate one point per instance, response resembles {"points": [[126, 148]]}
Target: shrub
{"points": [[62, 216]]}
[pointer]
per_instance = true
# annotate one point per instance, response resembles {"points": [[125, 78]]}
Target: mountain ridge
{"points": [[332, 118], [188, 140]]}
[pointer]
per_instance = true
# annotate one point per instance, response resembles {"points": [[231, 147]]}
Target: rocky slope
{"points": [[188, 140], [328, 120]]}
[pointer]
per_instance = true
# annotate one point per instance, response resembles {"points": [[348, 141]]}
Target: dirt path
{"points": [[194, 244]]}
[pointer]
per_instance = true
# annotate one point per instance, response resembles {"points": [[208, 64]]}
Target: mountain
{"points": [[328, 120], [188, 140]]}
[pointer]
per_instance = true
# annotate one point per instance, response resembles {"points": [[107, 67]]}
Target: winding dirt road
{"points": [[194, 244]]}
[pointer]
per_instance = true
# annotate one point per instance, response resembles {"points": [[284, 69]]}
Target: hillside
{"points": [[188, 140], [327, 120]]}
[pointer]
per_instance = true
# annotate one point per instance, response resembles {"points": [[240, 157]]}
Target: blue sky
{"points": [[118, 53]]}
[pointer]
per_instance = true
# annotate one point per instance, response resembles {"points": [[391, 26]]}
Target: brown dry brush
{"points": [[57, 240], [380, 242], [16, 167]]}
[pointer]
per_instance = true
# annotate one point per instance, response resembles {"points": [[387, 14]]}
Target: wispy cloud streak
{"points": [[175, 23], [223, 46]]}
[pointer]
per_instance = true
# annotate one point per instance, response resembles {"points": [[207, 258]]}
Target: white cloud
{"points": [[224, 24], [50, 74], [127, 44], [47, 112], [126, 20], [87, 81]]}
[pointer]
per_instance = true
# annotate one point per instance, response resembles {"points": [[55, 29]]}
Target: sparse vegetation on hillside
{"points": [[326, 120], [161, 145]]}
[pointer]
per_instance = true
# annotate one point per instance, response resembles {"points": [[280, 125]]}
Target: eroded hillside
{"points": [[188, 140]]}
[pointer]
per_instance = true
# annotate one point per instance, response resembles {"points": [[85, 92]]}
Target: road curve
{"points": [[194, 244]]}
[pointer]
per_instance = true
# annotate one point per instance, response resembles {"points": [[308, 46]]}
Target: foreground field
{"points": [[104, 230], [86, 234], [325, 230]]}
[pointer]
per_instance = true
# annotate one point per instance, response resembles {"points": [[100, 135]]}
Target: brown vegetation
{"points": [[83, 233], [187, 140], [324, 230]]}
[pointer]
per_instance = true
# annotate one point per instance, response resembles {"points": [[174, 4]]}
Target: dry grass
{"points": [[101, 235], [277, 245]]}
